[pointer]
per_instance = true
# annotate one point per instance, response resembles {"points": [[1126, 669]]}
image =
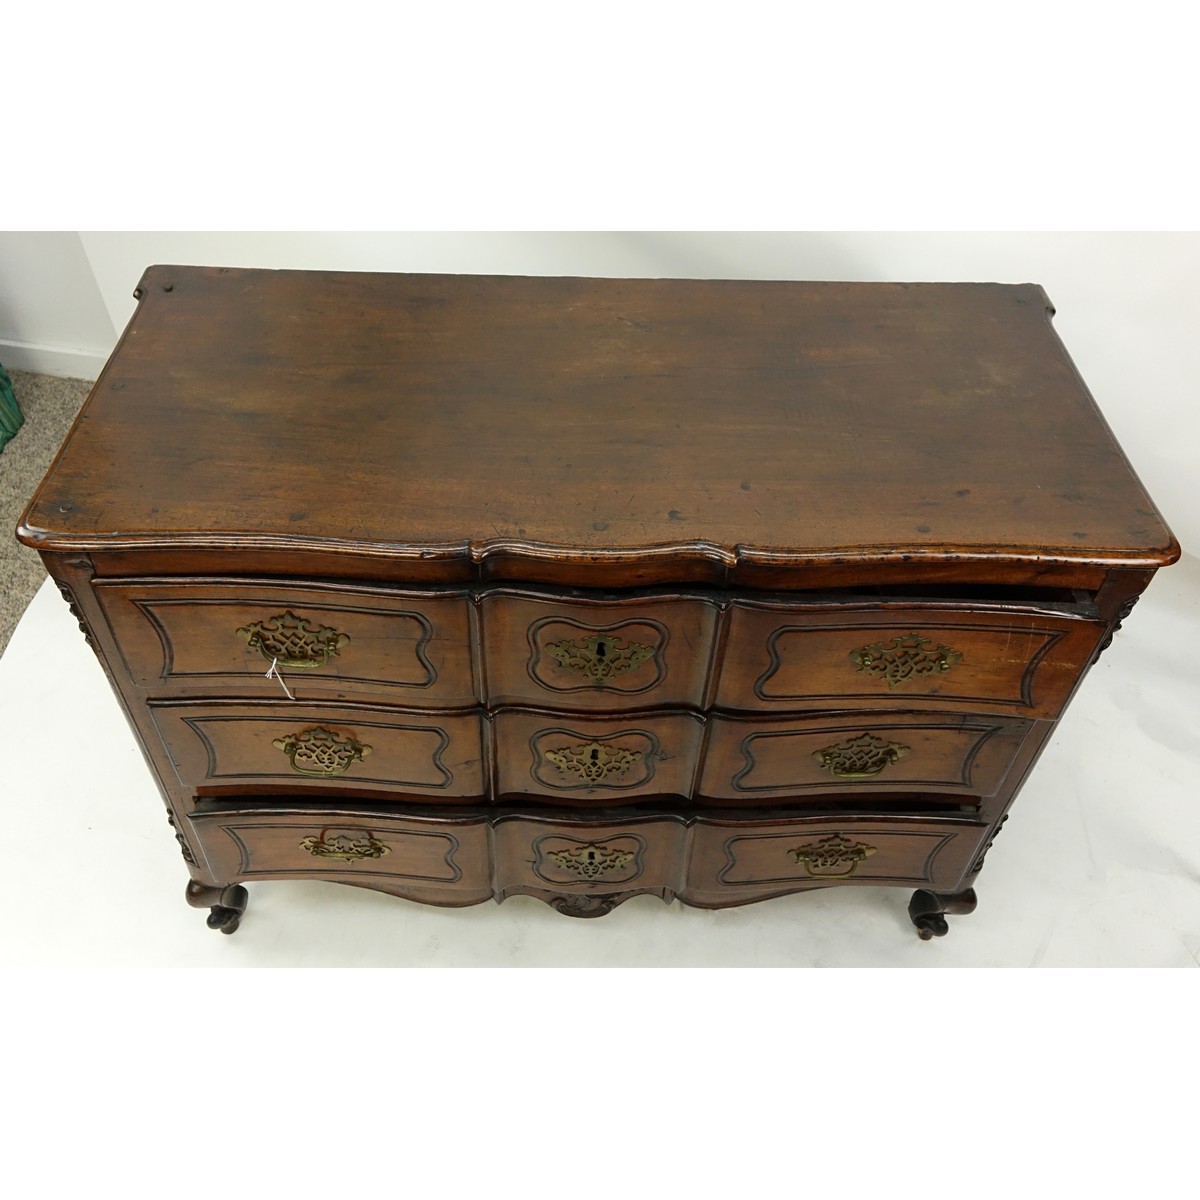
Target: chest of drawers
{"points": [[458, 587]]}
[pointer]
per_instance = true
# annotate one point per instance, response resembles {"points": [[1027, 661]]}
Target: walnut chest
{"points": [[458, 587]]}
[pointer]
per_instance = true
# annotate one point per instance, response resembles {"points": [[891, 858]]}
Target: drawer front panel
{"points": [[587, 857], [226, 747], [596, 760], [749, 760], [597, 655], [276, 844], [818, 853], [328, 642], [806, 658]]}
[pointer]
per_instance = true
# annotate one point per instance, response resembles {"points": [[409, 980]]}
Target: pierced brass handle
{"points": [[293, 641], [345, 848], [590, 861], [822, 859], [600, 657], [904, 658], [593, 762], [321, 752], [861, 757]]}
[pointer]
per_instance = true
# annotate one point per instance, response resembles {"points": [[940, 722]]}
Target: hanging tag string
{"points": [[273, 671]]}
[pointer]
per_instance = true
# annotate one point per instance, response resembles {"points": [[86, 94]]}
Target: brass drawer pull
{"points": [[293, 641], [860, 757], [321, 752], [904, 658], [593, 762], [599, 657], [344, 848], [590, 861], [824, 858]]}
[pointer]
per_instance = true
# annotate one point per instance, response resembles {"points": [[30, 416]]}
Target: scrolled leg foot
{"points": [[226, 904], [927, 910]]}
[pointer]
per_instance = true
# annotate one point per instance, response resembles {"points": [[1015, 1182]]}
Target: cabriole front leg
{"points": [[226, 901], [927, 910]]}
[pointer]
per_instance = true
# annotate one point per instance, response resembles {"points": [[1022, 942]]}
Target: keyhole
{"points": [[595, 755], [600, 650], [591, 856]]}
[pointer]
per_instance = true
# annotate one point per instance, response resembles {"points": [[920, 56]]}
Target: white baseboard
{"points": [[52, 360]]}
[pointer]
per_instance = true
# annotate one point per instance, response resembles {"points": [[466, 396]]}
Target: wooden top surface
{"points": [[456, 417]]}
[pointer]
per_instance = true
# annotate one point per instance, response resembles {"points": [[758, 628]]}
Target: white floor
{"points": [[1099, 864]]}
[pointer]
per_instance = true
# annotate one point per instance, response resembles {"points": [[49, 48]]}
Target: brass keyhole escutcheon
{"points": [[592, 762], [590, 861], [599, 657]]}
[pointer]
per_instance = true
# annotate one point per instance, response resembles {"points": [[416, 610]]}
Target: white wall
{"points": [[1127, 305], [52, 318]]}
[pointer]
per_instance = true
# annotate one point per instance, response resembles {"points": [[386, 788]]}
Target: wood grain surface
{"points": [[454, 420]]}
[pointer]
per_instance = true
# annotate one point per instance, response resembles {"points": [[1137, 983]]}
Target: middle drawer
{"points": [[727, 760], [221, 747], [595, 759]]}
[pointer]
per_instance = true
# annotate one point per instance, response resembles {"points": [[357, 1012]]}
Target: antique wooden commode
{"points": [[460, 587]]}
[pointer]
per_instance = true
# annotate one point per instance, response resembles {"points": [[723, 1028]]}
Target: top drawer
{"points": [[598, 654], [193, 636], [781, 657]]}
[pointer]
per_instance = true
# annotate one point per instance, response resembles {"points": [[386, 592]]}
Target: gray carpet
{"points": [[49, 405]]}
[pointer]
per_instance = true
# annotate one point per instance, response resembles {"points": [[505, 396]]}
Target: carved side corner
{"points": [[184, 848], [69, 574], [978, 864], [1122, 615]]}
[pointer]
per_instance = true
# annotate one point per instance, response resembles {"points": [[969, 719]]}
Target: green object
{"points": [[11, 417]]}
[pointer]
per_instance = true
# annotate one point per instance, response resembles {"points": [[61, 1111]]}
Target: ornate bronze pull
{"points": [[600, 657], [860, 757], [321, 752], [821, 858], [904, 658], [293, 642], [593, 762], [345, 848], [590, 861]]}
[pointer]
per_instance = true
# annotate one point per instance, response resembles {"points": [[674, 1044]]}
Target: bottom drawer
{"points": [[472, 855], [448, 856], [778, 856], [587, 856]]}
